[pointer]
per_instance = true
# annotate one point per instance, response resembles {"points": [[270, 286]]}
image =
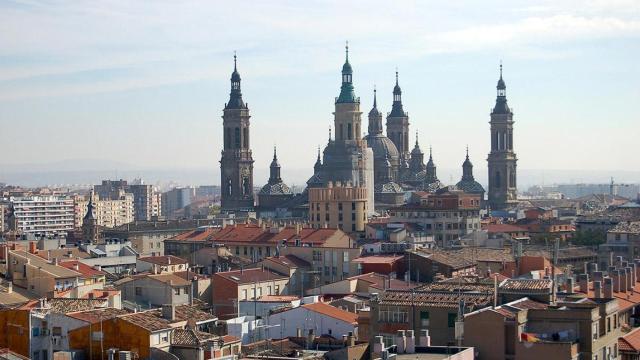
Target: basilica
{"points": [[381, 167]]}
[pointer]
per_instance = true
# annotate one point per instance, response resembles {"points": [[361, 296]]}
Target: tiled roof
{"points": [[434, 299], [64, 305], [290, 261], [171, 279], [382, 282], [453, 259], [378, 259], [277, 298], [65, 253], [55, 270], [201, 234], [83, 268], [97, 315], [152, 320], [190, 337], [163, 260], [504, 228], [632, 227], [630, 342], [453, 286], [332, 311], [256, 234], [518, 285], [248, 276]]}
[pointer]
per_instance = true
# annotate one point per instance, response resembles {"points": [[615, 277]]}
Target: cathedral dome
{"points": [[275, 189], [383, 147], [470, 186]]}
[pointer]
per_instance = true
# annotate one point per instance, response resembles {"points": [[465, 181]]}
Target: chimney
{"points": [[378, 345], [55, 261], [623, 280], [618, 261], [593, 267], [569, 285], [76, 267], [630, 275], [411, 342], [9, 287], [425, 339], [32, 247], [636, 262], [97, 267], [583, 282], [608, 288], [597, 289], [401, 342], [169, 312], [598, 276], [351, 340], [616, 280]]}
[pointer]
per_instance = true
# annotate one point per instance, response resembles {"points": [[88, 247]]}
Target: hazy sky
{"points": [[144, 83]]}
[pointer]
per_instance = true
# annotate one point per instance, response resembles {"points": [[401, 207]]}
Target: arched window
{"points": [[245, 138], [229, 187], [237, 138], [349, 131], [341, 132], [406, 142], [510, 140], [497, 179], [494, 141]]}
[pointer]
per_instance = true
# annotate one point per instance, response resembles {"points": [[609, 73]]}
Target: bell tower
{"points": [[236, 164], [398, 124], [503, 192]]}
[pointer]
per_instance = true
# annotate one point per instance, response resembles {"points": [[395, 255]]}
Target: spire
{"points": [[431, 168], [235, 97], [274, 176], [430, 154], [467, 168], [318, 165], [501, 99], [396, 109], [90, 208], [347, 94], [375, 117], [329, 134]]}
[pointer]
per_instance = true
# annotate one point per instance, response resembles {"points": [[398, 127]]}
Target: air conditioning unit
{"points": [[125, 355]]}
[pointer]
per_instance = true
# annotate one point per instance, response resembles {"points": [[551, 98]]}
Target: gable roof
{"points": [[630, 342], [249, 276], [83, 268], [97, 315], [290, 261], [332, 311], [163, 260]]}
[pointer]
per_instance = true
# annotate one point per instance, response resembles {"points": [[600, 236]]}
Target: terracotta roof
{"points": [[64, 253], [163, 260], [277, 298], [248, 276], [229, 339], [378, 259], [101, 293], [152, 320], [518, 285], [332, 311], [64, 305], [382, 282], [290, 261], [453, 259], [190, 337], [630, 342], [504, 228], [439, 299], [171, 279], [200, 234], [97, 315], [190, 275], [55, 270], [83, 268], [256, 234]]}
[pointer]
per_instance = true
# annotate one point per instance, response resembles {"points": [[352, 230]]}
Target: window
{"points": [[138, 290], [165, 338], [56, 331], [269, 290], [345, 256], [339, 206], [245, 250], [353, 216], [424, 319], [276, 289], [451, 319], [353, 206], [177, 291], [237, 250], [244, 294]]}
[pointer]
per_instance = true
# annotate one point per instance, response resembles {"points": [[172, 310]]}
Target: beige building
{"points": [[525, 329], [110, 212], [341, 206], [38, 275]]}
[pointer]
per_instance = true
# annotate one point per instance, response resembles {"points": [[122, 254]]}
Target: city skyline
{"points": [[116, 106]]}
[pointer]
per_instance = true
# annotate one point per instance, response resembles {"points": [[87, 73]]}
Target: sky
{"points": [[141, 85]]}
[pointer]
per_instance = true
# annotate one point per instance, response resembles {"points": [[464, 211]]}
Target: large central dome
{"points": [[382, 147]]}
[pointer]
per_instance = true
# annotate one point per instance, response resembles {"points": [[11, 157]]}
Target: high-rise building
{"points": [[108, 212], [236, 164], [502, 159], [147, 202], [46, 215], [176, 199]]}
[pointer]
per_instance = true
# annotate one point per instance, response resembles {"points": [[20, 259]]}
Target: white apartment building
{"points": [[43, 214], [110, 212]]}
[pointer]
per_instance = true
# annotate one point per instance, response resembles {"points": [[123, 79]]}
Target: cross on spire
{"points": [[346, 48], [235, 60]]}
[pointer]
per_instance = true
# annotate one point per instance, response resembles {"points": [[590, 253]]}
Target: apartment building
{"points": [[446, 215], [147, 202], [109, 212], [340, 206], [47, 215], [526, 329]]}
